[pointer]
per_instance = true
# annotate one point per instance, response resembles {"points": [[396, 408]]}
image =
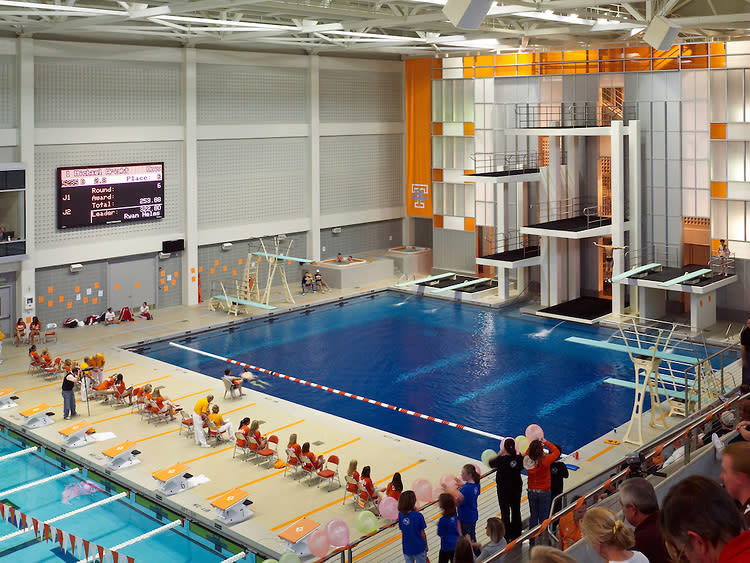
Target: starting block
{"points": [[173, 479], [295, 536], [77, 435], [122, 455], [233, 507], [6, 400], [36, 417]]}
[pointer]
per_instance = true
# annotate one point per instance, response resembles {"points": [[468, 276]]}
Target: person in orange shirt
{"points": [[35, 328], [164, 406], [220, 425], [569, 527], [139, 393], [244, 431], [539, 483], [46, 358], [255, 435], [395, 487], [20, 331], [370, 491], [315, 461]]}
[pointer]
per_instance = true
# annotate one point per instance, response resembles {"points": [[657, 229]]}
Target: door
{"points": [[131, 282], [6, 312]]}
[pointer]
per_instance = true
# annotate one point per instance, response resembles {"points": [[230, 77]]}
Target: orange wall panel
{"points": [[469, 224], [718, 189], [437, 221], [718, 130], [417, 88]]}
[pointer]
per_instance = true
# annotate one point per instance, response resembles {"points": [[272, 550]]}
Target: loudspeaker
{"points": [[660, 34], [467, 14], [173, 245]]}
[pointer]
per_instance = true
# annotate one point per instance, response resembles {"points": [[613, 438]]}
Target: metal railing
{"points": [[513, 240], [722, 265], [585, 114], [596, 213], [487, 162], [707, 379]]}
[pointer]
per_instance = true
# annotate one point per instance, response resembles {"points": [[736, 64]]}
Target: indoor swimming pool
{"points": [[489, 370], [109, 524]]}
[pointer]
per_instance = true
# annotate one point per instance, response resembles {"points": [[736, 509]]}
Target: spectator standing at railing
{"points": [[640, 507], [745, 347], [509, 464], [735, 475], [537, 465], [723, 252]]}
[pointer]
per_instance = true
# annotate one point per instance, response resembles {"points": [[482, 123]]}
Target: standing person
{"points": [[68, 394], [558, 473], [735, 475], [447, 527], [723, 252], [539, 483], [640, 508], [412, 526], [468, 512], [745, 348], [200, 414], [509, 464], [611, 538]]}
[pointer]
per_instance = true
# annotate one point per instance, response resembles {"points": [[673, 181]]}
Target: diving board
{"points": [[282, 257], [631, 385], [637, 351], [244, 302], [686, 277], [634, 272], [464, 284], [425, 280]]}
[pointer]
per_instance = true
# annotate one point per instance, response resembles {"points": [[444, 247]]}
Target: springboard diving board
{"points": [[637, 351], [425, 280], [634, 272], [632, 385], [686, 277], [244, 302], [464, 284], [282, 257]]}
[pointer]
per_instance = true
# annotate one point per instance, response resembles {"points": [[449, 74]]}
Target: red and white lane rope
{"points": [[339, 392]]}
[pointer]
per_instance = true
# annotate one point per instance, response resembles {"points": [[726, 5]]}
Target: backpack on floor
{"points": [[92, 320], [70, 323], [126, 315]]}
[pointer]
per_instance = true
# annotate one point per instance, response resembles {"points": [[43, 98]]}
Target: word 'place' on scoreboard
{"points": [[117, 193]]}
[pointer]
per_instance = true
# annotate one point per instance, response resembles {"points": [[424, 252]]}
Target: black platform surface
{"points": [[447, 282], [574, 224], [671, 273], [588, 308], [500, 173], [515, 255]]}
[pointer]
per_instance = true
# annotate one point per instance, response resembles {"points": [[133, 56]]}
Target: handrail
{"points": [[704, 364], [512, 240], [586, 114], [486, 162]]}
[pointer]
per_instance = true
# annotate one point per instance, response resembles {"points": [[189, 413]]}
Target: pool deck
{"points": [[278, 500]]}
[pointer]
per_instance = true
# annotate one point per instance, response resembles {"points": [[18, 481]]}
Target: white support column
{"points": [[634, 187], [574, 269], [557, 280], [575, 146], [544, 269], [26, 284], [190, 263], [313, 239], [501, 205], [520, 222], [618, 212]]}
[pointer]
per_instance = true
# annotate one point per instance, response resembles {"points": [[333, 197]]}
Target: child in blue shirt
{"points": [[468, 513], [447, 528], [412, 526]]}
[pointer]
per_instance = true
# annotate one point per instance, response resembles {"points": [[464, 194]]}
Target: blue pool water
{"points": [[487, 370], [106, 525]]}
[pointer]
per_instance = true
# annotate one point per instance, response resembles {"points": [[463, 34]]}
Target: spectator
{"points": [[109, 317], [546, 554], [569, 528], [735, 475], [640, 507], [35, 328], [611, 538], [412, 526], [468, 512], [145, 312], [200, 415], [464, 552], [496, 532], [20, 335], [537, 465], [701, 524], [745, 352], [558, 473], [509, 464], [395, 487], [447, 527], [320, 283]]}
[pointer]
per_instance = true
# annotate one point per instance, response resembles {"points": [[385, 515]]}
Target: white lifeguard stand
{"points": [[122, 455], [172, 480], [77, 435], [7, 400], [37, 416], [233, 507]]}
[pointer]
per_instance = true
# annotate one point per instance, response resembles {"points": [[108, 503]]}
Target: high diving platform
{"points": [[635, 272]]}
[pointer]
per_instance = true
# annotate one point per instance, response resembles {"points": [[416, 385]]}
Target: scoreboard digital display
{"points": [[101, 195]]}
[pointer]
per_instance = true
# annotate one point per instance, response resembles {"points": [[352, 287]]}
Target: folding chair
{"points": [[270, 452], [292, 461], [118, 399], [309, 468], [213, 432], [330, 471], [148, 409], [365, 501], [186, 424], [242, 443], [54, 368], [50, 333], [352, 486]]}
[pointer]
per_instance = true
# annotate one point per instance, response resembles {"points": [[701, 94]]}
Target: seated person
{"points": [[218, 423], [395, 487], [495, 531], [307, 283], [315, 461], [34, 356], [244, 431], [120, 390], [235, 382], [339, 257], [145, 313], [256, 438], [105, 387], [164, 406], [292, 444], [370, 492], [110, 318], [46, 359], [35, 328], [140, 393], [320, 282], [20, 335], [354, 474]]}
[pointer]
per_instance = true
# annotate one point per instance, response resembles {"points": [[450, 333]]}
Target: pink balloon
{"points": [[476, 466], [449, 481], [388, 508], [338, 533], [437, 491], [318, 542], [534, 432], [422, 489]]}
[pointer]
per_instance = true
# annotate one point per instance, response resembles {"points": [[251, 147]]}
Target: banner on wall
{"points": [[418, 138]]}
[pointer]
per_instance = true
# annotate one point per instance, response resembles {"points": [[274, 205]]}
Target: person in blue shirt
{"points": [[468, 513], [447, 528], [412, 526]]}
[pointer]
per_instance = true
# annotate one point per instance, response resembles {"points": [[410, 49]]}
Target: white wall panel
{"points": [[361, 96]]}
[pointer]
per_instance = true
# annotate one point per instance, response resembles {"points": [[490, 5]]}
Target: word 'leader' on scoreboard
{"points": [[115, 193]]}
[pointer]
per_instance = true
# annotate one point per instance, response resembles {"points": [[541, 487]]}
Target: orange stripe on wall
{"points": [[418, 137]]}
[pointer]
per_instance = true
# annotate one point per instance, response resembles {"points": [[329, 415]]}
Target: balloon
{"points": [[338, 533], [477, 468], [388, 508], [534, 432], [437, 491], [449, 482], [422, 489], [487, 455], [318, 543], [289, 557], [366, 522], [522, 444]]}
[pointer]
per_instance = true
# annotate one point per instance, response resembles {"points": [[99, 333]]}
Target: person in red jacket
{"points": [[537, 465]]}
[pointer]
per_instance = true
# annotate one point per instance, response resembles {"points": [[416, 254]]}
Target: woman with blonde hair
{"points": [[546, 554], [611, 538]]}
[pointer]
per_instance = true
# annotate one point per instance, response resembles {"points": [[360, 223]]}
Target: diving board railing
{"points": [[718, 388], [635, 271], [686, 277], [426, 280], [464, 284]]}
